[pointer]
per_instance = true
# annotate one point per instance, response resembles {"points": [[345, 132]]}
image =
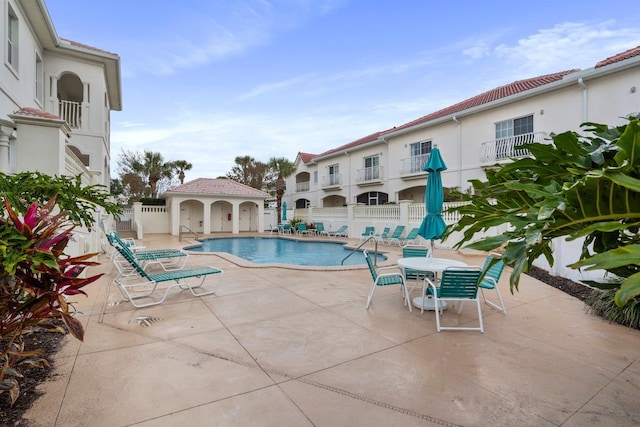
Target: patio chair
{"points": [[456, 284], [168, 259], [396, 235], [285, 228], [491, 272], [301, 228], [128, 285], [368, 232], [385, 276], [342, 231], [415, 275], [410, 239], [381, 236], [320, 229]]}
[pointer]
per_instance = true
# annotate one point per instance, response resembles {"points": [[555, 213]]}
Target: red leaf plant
{"points": [[35, 278]]}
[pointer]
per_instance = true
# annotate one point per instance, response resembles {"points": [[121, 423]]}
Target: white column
{"points": [[235, 216], [206, 217], [5, 134]]}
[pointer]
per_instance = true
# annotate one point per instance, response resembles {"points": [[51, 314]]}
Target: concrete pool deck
{"points": [[296, 347]]}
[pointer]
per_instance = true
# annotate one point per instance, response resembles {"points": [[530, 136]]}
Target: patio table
{"points": [[433, 265]]}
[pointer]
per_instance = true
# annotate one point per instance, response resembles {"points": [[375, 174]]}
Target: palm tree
{"points": [[153, 166], [282, 168], [180, 166]]}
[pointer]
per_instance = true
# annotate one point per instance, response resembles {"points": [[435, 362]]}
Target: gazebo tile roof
{"points": [[217, 187]]}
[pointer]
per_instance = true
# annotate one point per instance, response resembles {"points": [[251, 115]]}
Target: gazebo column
{"points": [[261, 217], [206, 217], [235, 215]]}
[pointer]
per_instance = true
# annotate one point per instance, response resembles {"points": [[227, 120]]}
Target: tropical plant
{"points": [[80, 202], [180, 166], [149, 164], [282, 168], [35, 279], [577, 186], [250, 172]]}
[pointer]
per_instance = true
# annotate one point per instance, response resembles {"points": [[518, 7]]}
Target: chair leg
{"points": [[370, 296], [500, 307], [480, 315]]}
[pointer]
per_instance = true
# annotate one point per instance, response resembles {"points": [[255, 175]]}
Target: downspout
{"points": [[346, 153], [584, 99], [459, 153]]}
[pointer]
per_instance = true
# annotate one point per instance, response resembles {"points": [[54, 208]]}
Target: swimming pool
{"points": [[267, 250]]}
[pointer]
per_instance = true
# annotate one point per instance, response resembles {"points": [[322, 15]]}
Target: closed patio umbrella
{"points": [[433, 225], [284, 211]]}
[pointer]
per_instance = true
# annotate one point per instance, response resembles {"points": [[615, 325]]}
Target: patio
{"points": [[276, 346]]}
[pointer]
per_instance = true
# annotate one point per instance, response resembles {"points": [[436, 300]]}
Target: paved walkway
{"points": [[285, 347]]}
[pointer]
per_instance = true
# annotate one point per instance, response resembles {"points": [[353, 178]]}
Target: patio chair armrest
{"points": [[391, 267]]}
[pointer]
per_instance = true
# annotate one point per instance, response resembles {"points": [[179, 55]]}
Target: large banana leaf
{"points": [[576, 186]]}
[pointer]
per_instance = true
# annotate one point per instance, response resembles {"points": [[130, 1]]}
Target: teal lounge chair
{"points": [[410, 238], [134, 290], [301, 229], [342, 231], [368, 232], [396, 234], [384, 235], [320, 229], [168, 259]]}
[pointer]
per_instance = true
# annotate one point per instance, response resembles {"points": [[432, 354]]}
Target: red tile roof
{"points": [[84, 46], [34, 112], [217, 187], [619, 57], [369, 138], [489, 96], [306, 157]]}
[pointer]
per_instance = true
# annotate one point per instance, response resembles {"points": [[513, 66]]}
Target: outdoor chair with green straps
{"points": [[380, 237], [136, 284], [491, 273], [168, 259], [320, 229], [410, 238], [386, 276], [396, 234], [368, 232], [459, 284], [415, 275]]}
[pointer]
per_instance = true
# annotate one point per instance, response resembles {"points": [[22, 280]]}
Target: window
{"points": [[334, 175], [371, 168], [373, 198], [315, 177], [12, 39], [419, 155], [510, 134], [39, 79], [509, 128]]}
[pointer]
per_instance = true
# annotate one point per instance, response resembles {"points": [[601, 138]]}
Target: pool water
{"points": [[265, 250]]}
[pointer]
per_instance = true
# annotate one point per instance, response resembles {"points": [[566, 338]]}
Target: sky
{"points": [[207, 81]]}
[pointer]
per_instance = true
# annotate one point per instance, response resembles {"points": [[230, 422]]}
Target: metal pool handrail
{"points": [[375, 259]]}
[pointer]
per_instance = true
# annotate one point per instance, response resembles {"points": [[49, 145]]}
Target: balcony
{"points": [[71, 112], [413, 167], [331, 182], [302, 186], [507, 148], [369, 176]]}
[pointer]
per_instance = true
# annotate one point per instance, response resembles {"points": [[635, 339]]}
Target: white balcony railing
{"points": [[369, 175], [302, 186], [71, 112], [507, 148], [331, 181], [413, 165]]}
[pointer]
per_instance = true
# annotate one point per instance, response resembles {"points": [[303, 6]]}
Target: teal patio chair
{"points": [[301, 229], [396, 234], [410, 239], [320, 229], [415, 275], [368, 232], [168, 259], [456, 284], [385, 276], [491, 272], [380, 237], [133, 290], [342, 231]]}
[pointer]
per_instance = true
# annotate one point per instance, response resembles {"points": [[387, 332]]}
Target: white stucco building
{"points": [[56, 97], [386, 166]]}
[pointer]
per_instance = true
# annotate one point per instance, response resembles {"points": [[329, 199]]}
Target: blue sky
{"points": [[208, 80]]}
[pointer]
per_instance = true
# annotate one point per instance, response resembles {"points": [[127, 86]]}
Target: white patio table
{"points": [[429, 264]]}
